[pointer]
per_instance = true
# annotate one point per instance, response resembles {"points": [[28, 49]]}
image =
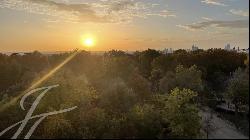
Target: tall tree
{"points": [[238, 89], [182, 114]]}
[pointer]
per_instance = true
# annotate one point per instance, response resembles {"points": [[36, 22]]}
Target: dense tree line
{"points": [[146, 94]]}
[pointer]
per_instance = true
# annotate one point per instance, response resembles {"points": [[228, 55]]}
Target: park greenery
{"points": [[145, 94]]}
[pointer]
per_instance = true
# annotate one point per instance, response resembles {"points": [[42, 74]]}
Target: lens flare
{"points": [[40, 81]]}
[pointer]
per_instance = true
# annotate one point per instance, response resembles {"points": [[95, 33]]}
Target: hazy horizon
{"points": [[62, 51]]}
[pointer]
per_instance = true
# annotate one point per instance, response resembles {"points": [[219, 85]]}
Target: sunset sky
{"points": [[60, 25]]}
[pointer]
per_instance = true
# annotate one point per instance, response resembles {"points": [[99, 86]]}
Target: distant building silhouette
{"points": [[228, 47], [237, 49], [195, 48], [168, 51], [243, 50]]}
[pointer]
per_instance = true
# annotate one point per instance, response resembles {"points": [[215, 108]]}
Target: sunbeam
{"points": [[37, 83]]}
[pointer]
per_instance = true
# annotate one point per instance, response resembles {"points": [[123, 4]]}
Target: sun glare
{"points": [[88, 42]]}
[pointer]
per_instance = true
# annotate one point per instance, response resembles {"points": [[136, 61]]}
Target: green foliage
{"points": [[189, 78], [146, 121], [165, 63], [139, 85], [145, 60], [182, 114], [238, 88], [117, 94], [121, 66], [117, 97], [155, 77], [54, 127]]}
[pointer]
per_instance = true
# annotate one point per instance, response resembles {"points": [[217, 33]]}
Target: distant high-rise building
{"points": [[195, 48], [228, 47], [168, 51]]}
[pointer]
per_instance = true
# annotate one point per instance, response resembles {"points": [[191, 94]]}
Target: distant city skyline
{"points": [[194, 47], [129, 25]]}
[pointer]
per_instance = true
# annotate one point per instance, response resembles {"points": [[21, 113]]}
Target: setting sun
{"points": [[88, 42]]}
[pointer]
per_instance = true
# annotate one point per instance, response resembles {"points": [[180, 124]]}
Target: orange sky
{"points": [[58, 25]]}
